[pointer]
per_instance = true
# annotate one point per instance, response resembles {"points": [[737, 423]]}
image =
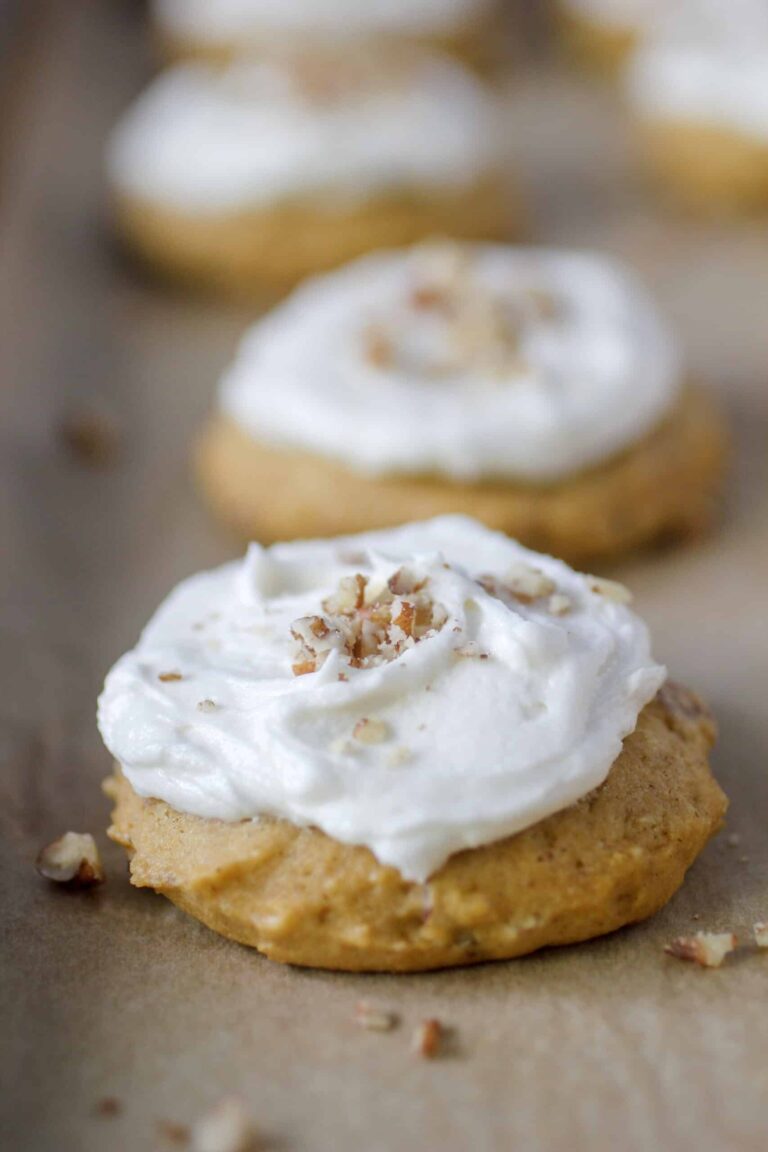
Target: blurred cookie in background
{"points": [[536, 390], [256, 174], [467, 29], [701, 111]]}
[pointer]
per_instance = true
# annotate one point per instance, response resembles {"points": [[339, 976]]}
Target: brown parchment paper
{"points": [[606, 1046]]}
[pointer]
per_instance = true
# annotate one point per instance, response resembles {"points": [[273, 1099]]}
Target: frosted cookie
{"points": [[405, 750], [605, 32], [537, 390], [227, 28], [261, 173], [702, 114]]}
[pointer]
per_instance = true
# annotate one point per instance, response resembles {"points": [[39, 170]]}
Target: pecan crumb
{"points": [[367, 624], [610, 589], [708, 949], [369, 731], [471, 650], [170, 677], [559, 604], [108, 1107], [207, 706], [399, 756], [226, 1128], [178, 1135], [760, 933], [73, 860], [377, 346], [91, 438], [428, 1039], [374, 1019]]}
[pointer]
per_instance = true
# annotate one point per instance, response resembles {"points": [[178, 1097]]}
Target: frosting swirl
{"points": [[471, 362], [206, 140], [418, 691]]}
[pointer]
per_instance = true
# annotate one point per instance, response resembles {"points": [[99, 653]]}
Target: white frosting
{"points": [[504, 714], [217, 20], [724, 87], [686, 21], [205, 140], [578, 386]]}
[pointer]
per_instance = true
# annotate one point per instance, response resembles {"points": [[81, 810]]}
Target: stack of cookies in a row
{"points": [[413, 742]]}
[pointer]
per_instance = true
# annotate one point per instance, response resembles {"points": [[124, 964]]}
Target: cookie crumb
{"points": [[108, 1107], [226, 1128], [374, 1019], [760, 933], [707, 949], [72, 860], [91, 438], [428, 1039]]}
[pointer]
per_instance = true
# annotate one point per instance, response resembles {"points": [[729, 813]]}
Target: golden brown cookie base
{"points": [[666, 486], [707, 170], [271, 249], [302, 898], [475, 44], [598, 47]]}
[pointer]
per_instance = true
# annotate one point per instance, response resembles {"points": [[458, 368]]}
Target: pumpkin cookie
{"points": [[538, 391], [252, 176], [701, 114], [405, 750]]}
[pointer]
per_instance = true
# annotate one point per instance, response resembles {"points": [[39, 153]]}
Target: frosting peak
{"points": [[419, 691]]}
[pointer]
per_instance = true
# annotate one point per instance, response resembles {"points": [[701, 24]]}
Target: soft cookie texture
{"points": [[303, 898], [664, 486], [268, 250]]}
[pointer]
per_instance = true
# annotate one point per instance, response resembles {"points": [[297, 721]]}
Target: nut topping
{"points": [[370, 731], [523, 583], [708, 949], [367, 625], [73, 860], [610, 589], [374, 1019], [428, 1039]]}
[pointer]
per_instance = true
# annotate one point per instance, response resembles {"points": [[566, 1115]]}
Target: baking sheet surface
{"points": [[115, 994]]}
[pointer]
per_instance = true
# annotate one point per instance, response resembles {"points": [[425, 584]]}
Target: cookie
{"points": [[302, 898], [537, 391], [250, 177], [405, 750], [701, 122]]}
